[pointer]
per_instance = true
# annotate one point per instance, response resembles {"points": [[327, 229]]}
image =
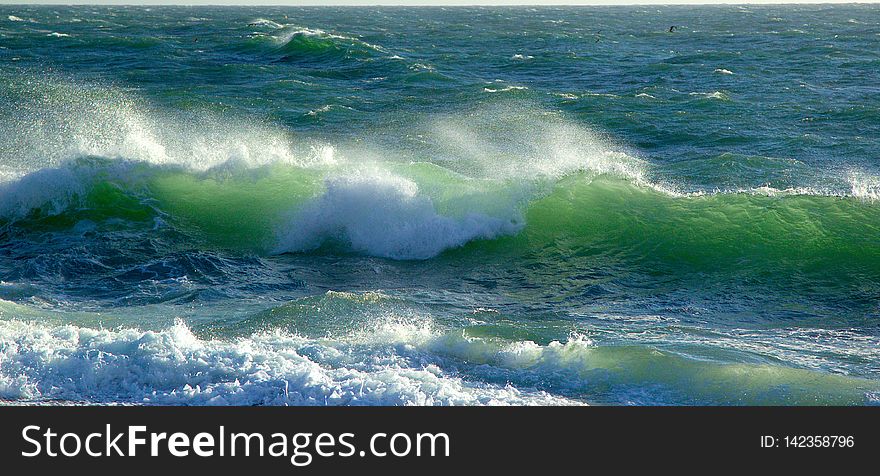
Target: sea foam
{"points": [[385, 215], [388, 362], [173, 366]]}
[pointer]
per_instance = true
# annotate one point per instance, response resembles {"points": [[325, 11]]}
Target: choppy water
{"points": [[440, 206]]}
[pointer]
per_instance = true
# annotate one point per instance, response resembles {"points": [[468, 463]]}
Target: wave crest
{"points": [[385, 215]]}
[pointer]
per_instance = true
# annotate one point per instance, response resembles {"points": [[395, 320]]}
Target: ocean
{"points": [[440, 206]]}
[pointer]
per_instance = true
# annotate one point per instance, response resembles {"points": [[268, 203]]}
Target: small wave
{"points": [[326, 108], [505, 89], [604, 95], [717, 95], [723, 71], [317, 40], [422, 67], [15, 18], [263, 22]]}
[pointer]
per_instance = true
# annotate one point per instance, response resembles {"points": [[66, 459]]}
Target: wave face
{"points": [[374, 207], [419, 211]]}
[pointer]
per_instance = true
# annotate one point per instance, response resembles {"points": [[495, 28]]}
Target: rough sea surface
{"points": [[433, 206]]}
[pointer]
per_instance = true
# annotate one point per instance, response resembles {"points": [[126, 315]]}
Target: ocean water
{"points": [[440, 206]]}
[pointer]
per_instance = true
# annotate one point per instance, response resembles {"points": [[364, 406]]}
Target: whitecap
{"points": [[505, 89], [382, 214], [712, 95], [265, 22]]}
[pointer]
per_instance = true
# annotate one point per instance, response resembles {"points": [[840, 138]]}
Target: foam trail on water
{"points": [[264, 22]]}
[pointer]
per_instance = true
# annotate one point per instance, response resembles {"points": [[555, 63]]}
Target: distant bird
{"points": [[672, 29]]}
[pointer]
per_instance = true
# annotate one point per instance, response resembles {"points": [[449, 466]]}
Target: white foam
{"points": [[422, 67], [382, 214], [326, 108], [712, 95], [265, 22], [173, 366], [505, 89]]}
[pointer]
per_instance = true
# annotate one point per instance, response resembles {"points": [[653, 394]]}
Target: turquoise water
{"points": [[384, 206]]}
